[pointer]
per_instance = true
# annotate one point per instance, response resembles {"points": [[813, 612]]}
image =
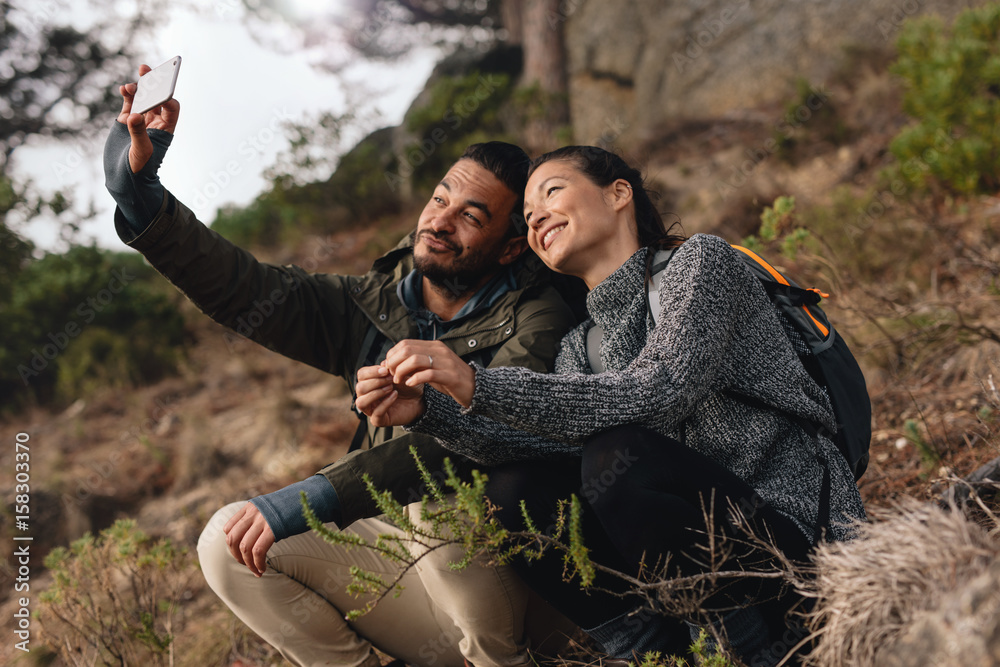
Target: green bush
{"points": [[115, 599], [952, 81], [810, 118], [457, 512], [779, 222], [87, 317], [261, 223]]}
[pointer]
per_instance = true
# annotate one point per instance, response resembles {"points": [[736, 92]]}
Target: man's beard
{"points": [[463, 274]]}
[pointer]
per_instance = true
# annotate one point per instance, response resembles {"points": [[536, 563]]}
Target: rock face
{"points": [[638, 64]]}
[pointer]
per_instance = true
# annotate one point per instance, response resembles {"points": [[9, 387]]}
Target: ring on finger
{"points": [[430, 361]]}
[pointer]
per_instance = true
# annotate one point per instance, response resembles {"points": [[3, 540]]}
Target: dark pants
{"points": [[644, 496]]}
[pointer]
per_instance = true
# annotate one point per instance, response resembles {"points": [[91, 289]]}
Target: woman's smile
{"points": [[551, 235]]}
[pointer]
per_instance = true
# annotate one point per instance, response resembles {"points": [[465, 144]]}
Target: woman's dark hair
{"points": [[603, 168]]}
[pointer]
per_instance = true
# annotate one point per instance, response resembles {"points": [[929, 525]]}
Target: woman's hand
{"points": [[415, 362], [387, 404]]}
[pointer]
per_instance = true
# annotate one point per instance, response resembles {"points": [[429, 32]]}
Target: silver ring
{"points": [[430, 361]]}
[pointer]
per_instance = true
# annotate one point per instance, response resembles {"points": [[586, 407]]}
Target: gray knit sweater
{"points": [[718, 338]]}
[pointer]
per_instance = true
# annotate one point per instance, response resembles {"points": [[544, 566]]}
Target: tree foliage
{"points": [[57, 80], [86, 317], [82, 319], [952, 80], [378, 29]]}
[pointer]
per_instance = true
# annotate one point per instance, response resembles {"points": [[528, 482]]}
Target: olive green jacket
{"points": [[336, 323]]}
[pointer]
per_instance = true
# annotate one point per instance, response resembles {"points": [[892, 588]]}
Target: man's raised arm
{"points": [[300, 315]]}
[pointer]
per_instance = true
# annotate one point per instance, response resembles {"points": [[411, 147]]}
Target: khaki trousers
{"points": [[484, 614]]}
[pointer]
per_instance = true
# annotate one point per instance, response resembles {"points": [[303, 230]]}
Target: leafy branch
{"points": [[458, 513]]}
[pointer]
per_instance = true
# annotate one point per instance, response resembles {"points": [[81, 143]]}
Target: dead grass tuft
{"points": [[870, 590]]}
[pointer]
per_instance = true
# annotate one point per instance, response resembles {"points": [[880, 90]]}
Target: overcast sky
{"points": [[233, 94]]}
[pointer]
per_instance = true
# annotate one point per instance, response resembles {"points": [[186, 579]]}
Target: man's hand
{"points": [[414, 362], [249, 538], [387, 404], [163, 117]]}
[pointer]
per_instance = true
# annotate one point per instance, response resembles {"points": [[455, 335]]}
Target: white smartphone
{"points": [[156, 86]]}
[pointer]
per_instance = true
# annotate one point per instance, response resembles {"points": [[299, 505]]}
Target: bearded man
{"points": [[462, 277]]}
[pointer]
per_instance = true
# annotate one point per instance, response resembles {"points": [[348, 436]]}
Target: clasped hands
{"points": [[392, 393]]}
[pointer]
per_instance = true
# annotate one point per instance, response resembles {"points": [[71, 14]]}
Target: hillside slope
{"points": [[913, 288]]}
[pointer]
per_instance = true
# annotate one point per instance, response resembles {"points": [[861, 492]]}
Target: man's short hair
{"points": [[510, 165]]}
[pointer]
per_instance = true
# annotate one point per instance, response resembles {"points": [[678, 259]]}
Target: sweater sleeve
{"points": [[682, 363], [486, 441]]}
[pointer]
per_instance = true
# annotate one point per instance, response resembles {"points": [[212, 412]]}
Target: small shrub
{"points": [[779, 222], [115, 599], [952, 82], [811, 118], [458, 512]]}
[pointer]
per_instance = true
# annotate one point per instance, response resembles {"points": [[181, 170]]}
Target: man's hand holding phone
{"points": [[161, 117], [138, 143]]}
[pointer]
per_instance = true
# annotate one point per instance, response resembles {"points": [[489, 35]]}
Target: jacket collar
{"points": [[410, 291], [375, 294]]}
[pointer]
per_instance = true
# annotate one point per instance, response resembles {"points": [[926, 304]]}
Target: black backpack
{"points": [[826, 357]]}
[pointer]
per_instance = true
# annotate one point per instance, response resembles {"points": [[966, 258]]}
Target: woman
{"points": [[704, 409]]}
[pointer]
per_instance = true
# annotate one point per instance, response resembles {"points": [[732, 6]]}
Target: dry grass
{"points": [[871, 590]]}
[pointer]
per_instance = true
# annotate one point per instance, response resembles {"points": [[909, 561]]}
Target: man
{"points": [[461, 278]]}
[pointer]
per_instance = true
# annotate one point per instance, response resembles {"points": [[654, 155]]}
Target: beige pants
{"points": [[482, 613]]}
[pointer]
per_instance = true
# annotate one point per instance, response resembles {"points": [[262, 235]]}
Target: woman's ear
{"points": [[621, 191]]}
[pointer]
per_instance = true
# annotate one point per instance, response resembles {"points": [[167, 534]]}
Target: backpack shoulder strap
{"points": [[660, 261], [797, 303]]}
